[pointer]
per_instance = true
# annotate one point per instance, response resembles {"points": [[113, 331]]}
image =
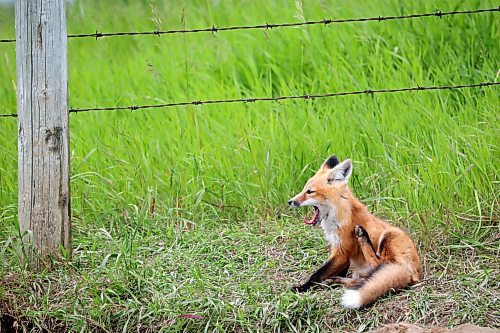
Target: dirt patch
{"points": [[11, 322], [411, 328]]}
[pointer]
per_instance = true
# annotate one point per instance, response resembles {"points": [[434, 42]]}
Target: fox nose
{"points": [[293, 203]]}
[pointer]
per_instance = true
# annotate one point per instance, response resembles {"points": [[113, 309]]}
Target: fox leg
{"points": [[337, 265], [347, 282], [366, 247]]}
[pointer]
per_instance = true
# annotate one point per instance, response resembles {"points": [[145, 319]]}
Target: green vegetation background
{"points": [[220, 241]]}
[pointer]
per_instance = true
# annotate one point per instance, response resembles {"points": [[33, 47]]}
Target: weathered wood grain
{"points": [[43, 128]]}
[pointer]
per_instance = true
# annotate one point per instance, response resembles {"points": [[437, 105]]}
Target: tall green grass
{"points": [[428, 160]]}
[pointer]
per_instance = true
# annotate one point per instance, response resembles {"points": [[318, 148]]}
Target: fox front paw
{"points": [[300, 289]]}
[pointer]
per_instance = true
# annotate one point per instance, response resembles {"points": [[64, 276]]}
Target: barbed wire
{"points": [[279, 98], [267, 26]]}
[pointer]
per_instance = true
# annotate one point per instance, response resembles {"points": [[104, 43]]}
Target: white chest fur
{"points": [[333, 239], [331, 228]]}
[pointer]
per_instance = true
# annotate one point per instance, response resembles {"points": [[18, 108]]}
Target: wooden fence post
{"points": [[43, 128]]}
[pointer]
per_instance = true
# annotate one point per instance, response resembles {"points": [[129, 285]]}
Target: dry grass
{"points": [[246, 290]]}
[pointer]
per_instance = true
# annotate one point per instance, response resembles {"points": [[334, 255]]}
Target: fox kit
{"points": [[380, 256]]}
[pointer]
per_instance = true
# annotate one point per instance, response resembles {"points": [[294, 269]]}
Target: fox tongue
{"points": [[314, 218]]}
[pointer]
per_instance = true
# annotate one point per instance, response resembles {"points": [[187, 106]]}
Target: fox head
{"points": [[326, 190]]}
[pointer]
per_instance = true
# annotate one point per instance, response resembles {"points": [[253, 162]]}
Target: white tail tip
{"points": [[352, 299]]}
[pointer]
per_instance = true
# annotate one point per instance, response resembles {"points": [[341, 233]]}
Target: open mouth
{"points": [[315, 219]]}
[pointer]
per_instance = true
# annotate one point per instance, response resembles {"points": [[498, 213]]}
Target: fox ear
{"points": [[331, 162], [341, 172]]}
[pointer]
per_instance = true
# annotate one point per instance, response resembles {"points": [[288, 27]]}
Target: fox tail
{"points": [[383, 279]]}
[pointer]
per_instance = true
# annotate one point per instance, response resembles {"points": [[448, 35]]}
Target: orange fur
{"points": [[380, 256]]}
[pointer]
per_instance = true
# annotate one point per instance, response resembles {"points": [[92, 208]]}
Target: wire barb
{"points": [[268, 26], [98, 34]]}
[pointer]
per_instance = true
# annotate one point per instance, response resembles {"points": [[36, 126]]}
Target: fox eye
{"points": [[310, 191]]}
